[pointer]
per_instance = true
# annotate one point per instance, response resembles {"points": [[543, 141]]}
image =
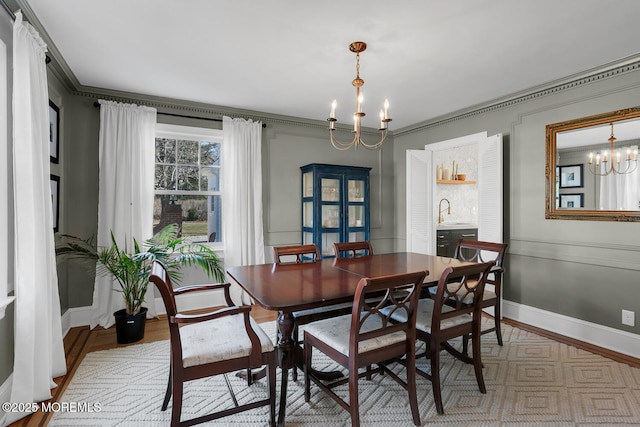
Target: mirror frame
{"points": [[550, 170]]}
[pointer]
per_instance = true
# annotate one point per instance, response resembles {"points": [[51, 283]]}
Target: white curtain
{"points": [[620, 192], [39, 350], [125, 201], [241, 184]]}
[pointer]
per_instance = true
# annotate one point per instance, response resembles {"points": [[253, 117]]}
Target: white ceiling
{"points": [[428, 57]]}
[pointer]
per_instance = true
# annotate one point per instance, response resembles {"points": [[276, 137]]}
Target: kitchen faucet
{"points": [[440, 210]]}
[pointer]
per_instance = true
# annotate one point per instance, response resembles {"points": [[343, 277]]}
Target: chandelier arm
{"points": [[376, 145], [341, 145], [610, 169]]}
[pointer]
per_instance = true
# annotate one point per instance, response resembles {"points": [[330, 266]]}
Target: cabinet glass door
{"points": [[307, 214], [330, 216], [328, 239], [356, 216], [356, 211], [330, 190], [307, 184], [356, 190]]}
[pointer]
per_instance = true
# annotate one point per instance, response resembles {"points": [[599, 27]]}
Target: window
{"points": [[187, 181]]}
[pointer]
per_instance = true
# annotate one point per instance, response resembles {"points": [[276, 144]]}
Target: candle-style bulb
{"points": [[386, 108], [590, 158], [334, 104]]}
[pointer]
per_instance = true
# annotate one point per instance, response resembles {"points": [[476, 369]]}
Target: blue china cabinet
{"points": [[335, 205]]}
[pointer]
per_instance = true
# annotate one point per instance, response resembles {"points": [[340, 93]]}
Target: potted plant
{"points": [[131, 269]]}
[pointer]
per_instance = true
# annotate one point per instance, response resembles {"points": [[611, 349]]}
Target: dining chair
{"points": [[367, 337], [352, 249], [213, 343], [479, 251], [437, 322], [298, 254]]}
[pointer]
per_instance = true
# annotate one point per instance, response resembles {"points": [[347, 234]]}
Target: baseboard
{"points": [[5, 396], [592, 333], [74, 317], [81, 316]]}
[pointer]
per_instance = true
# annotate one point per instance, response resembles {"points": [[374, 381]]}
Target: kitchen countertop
{"points": [[455, 226]]}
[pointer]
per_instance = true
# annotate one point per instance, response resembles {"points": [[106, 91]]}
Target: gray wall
{"points": [[586, 270], [287, 145]]}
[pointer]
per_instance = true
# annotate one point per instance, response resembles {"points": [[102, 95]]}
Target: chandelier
{"points": [[358, 47], [611, 160]]}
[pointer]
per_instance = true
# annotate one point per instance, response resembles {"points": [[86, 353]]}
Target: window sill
{"points": [[3, 305]]}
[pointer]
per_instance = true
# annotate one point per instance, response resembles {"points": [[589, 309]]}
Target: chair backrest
{"points": [[161, 279], [479, 251], [297, 254], [399, 293], [352, 249], [462, 283]]}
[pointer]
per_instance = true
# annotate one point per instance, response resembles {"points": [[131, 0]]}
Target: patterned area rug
{"points": [[531, 381]]}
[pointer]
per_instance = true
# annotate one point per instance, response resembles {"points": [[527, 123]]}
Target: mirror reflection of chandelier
{"points": [[358, 47], [611, 160]]}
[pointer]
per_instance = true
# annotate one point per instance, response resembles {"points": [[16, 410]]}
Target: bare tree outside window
{"points": [[187, 184]]}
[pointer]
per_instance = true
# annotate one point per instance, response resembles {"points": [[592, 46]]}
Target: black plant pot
{"points": [[130, 328]]}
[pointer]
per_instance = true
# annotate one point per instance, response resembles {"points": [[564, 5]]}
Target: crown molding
{"points": [[207, 111], [612, 69], [64, 73]]}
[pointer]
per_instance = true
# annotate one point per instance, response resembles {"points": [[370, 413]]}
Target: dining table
{"points": [[288, 288]]}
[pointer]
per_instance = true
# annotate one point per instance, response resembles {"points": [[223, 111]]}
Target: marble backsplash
{"points": [[462, 197]]}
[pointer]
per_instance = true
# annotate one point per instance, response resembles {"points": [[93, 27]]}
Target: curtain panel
{"points": [[241, 187], [39, 349], [125, 201]]}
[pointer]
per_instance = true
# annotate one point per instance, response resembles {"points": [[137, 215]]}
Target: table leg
{"points": [[286, 357]]}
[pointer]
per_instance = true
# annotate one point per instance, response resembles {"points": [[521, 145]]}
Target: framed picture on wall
{"points": [[54, 131], [571, 176], [572, 201], [55, 200]]}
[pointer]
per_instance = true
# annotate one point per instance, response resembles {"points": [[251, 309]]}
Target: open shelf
{"points": [[451, 181]]}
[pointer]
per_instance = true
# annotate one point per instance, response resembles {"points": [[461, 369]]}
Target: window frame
{"points": [[166, 130]]}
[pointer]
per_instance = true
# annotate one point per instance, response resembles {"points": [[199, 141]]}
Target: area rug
{"points": [[531, 381]]}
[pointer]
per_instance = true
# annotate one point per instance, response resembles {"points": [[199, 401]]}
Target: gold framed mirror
{"points": [[592, 170]]}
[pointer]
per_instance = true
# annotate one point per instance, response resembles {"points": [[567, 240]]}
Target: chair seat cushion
{"points": [[335, 332], [219, 339], [468, 299], [425, 313]]}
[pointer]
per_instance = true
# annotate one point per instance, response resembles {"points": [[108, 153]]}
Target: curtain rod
{"points": [[8, 9], [211, 119]]}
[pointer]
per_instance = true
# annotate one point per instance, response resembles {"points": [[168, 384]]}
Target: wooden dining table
{"points": [[288, 288]]}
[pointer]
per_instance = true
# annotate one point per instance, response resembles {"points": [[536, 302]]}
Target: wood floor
{"points": [[80, 341]]}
